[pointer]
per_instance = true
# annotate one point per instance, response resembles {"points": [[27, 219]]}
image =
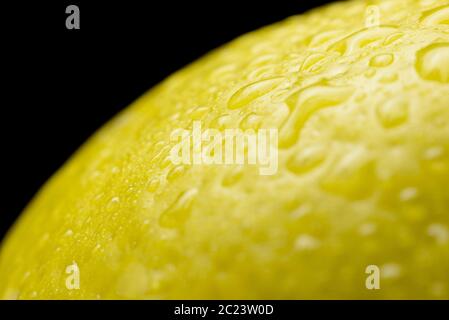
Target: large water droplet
{"points": [[433, 62], [437, 16], [305, 103]]}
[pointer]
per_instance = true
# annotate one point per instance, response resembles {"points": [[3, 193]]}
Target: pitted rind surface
{"points": [[363, 171]]}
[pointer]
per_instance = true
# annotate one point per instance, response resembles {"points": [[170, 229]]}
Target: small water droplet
{"points": [[393, 38], [393, 113], [438, 289], [44, 238], [115, 170], [390, 271], [221, 122], [408, 194], [361, 39], [250, 121], [132, 282], [165, 163], [115, 200], [113, 205], [11, 294], [300, 212], [367, 229], [347, 176], [312, 63], [370, 73], [253, 91], [175, 172], [433, 153], [176, 215], [199, 112], [233, 176], [306, 242], [381, 60], [389, 77], [153, 185], [306, 159], [439, 232]]}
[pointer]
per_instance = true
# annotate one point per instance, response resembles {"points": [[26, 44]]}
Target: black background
{"points": [[60, 85]]}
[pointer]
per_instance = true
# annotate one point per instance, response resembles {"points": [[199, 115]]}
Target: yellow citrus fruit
{"points": [[359, 92]]}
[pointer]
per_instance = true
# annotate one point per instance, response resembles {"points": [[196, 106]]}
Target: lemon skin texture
{"points": [[363, 116]]}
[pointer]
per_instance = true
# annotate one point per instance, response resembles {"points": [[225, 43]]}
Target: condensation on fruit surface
{"points": [[363, 120]]}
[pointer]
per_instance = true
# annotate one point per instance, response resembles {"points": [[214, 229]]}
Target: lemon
{"points": [[359, 92]]}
